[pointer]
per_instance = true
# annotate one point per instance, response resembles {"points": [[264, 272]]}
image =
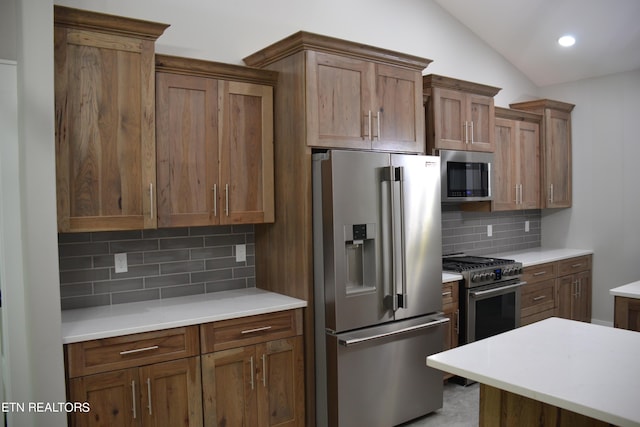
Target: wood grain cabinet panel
{"points": [[627, 313], [556, 150], [105, 121], [257, 380], [459, 114], [517, 161], [215, 143], [451, 310]]}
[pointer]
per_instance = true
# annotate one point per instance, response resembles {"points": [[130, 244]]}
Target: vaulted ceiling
{"points": [[525, 32]]}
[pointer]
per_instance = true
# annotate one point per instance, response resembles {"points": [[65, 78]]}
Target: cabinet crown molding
{"points": [[217, 70], [94, 21], [512, 114], [433, 80], [540, 104], [303, 40]]}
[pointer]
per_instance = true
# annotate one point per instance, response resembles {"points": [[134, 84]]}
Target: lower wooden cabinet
{"points": [[627, 313], [258, 385], [254, 374], [245, 372], [451, 310], [161, 394]]}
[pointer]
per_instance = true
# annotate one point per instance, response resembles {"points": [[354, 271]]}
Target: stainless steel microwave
{"points": [[466, 176]]}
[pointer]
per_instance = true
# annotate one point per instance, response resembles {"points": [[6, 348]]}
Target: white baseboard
{"points": [[602, 322]]}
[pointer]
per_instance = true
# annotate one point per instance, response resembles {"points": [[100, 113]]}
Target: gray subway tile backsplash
{"points": [[162, 263], [467, 231]]}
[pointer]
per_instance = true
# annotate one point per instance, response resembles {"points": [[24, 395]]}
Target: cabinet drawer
{"points": [[574, 265], [539, 273], [538, 297], [108, 354], [250, 330], [449, 295]]}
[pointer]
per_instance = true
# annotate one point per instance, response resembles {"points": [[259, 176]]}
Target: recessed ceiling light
{"points": [[566, 41]]}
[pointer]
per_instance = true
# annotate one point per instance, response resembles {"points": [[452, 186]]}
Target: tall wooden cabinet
{"points": [[574, 288], [214, 143], [460, 114], [556, 150], [298, 108], [105, 121], [517, 160]]}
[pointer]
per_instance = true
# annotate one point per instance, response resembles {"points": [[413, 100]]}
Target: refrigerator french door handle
{"points": [[391, 301], [432, 324], [402, 297]]}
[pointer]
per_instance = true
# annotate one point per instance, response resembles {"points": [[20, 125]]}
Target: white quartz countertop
{"points": [[632, 290], [451, 277], [535, 256], [590, 369], [85, 324]]}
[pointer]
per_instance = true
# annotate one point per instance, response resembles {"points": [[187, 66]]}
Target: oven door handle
{"points": [[496, 290]]}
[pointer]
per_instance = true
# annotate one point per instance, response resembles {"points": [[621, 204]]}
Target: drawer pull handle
{"points": [[444, 294], [250, 331], [138, 350], [540, 298], [576, 265], [539, 273]]}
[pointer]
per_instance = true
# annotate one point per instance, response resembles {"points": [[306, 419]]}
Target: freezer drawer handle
{"points": [[428, 325]]}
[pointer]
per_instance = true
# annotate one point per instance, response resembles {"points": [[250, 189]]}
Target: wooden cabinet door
{"points": [[505, 187], [581, 309], [557, 159], [280, 383], [338, 101], [449, 116], [479, 115], [171, 394], [246, 154], [528, 158], [105, 131], [627, 313], [566, 291], [113, 397], [228, 387], [187, 150], [399, 113]]}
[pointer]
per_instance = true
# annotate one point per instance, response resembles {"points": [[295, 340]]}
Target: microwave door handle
{"points": [[489, 178]]}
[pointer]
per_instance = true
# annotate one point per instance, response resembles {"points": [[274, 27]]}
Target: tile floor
{"points": [[460, 408]]}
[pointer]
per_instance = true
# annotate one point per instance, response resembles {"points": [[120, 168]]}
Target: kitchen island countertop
{"points": [[581, 367], [631, 290], [91, 323]]}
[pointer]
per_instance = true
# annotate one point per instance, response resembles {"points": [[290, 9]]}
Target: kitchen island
{"points": [[627, 306], [556, 371]]}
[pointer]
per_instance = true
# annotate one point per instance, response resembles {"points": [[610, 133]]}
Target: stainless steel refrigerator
{"points": [[378, 287]]}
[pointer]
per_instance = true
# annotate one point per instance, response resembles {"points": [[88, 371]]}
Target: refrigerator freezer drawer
{"points": [[378, 376]]}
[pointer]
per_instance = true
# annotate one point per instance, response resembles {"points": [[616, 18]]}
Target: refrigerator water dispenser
{"points": [[360, 257]]}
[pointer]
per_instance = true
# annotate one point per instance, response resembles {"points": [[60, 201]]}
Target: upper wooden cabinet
{"points": [[105, 126], [517, 160], [214, 143], [355, 96], [556, 150], [459, 114]]}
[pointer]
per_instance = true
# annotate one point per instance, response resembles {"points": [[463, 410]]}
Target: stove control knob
{"points": [[507, 272], [485, 276], [475, 278], [492, 276]]}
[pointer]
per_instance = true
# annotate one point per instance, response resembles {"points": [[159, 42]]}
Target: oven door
{"points": [[492, 310]]}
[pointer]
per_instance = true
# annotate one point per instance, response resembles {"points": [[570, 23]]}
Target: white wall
{"points": [[606, 177]]}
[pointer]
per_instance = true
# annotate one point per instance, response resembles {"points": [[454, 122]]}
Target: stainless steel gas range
{"points": [[489, 295]]}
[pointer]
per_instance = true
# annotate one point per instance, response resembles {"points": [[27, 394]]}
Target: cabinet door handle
{"points": [[472, 140], [138, 350], [226, 198], [133, 398], [264, 370], [541, 297], [551, 193], [215, 199], [151, 200], [250, 331], [466, 132], [457, 314], [379, 116], [149, 393], [251, 361], [370, 133]]}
